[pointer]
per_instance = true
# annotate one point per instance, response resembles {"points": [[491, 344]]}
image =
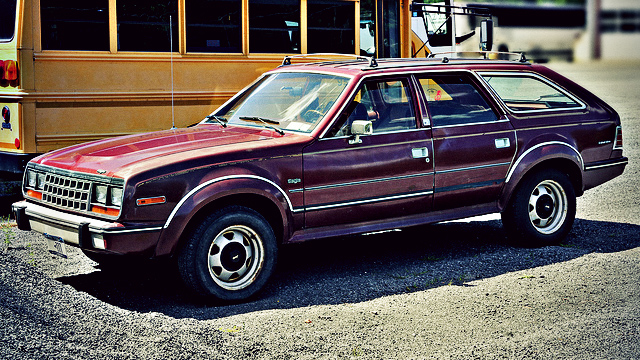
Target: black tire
{"points": [[230, 256], [542, 209]]}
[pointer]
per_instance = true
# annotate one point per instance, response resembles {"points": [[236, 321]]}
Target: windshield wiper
{"points": [[222, 121], [267, 122]]}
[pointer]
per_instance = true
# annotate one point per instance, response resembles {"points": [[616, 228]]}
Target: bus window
{"points": [[274, 26], [143, 25], [214, 26], [389, 20], [331, 26], [74, 25], [7, 19]]}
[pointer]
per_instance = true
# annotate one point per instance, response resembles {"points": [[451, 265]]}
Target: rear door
{"points": [[387, 174], [474, 144]]}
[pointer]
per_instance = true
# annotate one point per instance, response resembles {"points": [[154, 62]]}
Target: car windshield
{"points": [[288, 101]]}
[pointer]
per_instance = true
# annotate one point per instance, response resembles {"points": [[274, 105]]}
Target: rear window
{"points": [[528, 92], [7, 19]]}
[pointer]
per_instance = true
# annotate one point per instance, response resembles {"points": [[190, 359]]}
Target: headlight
{"points": [[116, 196], [101, 194], [42, 177], [32, 179]]}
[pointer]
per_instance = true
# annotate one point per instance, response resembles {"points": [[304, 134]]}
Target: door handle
{"points": [[419, 153], [502, 143]]}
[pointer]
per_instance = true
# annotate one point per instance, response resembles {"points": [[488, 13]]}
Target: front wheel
{"points": [[230, 256], [542, 209]]}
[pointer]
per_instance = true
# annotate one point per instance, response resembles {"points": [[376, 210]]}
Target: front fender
{"points": [[552, 153], [215, 190]]}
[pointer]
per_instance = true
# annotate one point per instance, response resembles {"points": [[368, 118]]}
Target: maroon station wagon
{"points": [[327, 149]]}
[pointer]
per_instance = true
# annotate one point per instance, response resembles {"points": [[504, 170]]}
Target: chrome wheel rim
{"points": [[548, 206], [235, 257]]}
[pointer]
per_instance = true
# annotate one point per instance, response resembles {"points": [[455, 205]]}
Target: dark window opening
{"points": [[331, 27], [75, 25], [214, 26], [143, 25], [274, 26], [7, 19]]}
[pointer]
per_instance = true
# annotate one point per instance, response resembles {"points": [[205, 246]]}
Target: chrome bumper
{"points": [[75, 230]]}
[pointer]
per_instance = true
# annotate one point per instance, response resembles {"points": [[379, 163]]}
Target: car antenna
{"points": [[173, 118]]}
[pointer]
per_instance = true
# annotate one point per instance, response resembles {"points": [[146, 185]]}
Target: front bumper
{"points": [[85, 232]]}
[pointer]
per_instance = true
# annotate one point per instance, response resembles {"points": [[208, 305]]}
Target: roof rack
{"points": [[484, 55], [331, 57]]}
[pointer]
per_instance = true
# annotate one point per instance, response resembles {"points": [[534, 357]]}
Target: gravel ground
{"points": [[457, 290]]}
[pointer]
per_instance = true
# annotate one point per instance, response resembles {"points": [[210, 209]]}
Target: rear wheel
{"points": [[542, 209], [230, 255]]}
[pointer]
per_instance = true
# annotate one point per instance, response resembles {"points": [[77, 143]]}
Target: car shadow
{"points": [[360, 268]]}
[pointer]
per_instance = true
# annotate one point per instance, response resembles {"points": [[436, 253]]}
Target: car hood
{"points": [[127, 155]]}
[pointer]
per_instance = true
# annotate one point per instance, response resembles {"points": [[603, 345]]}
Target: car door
{"points": [[474, 144], [387, 174]]}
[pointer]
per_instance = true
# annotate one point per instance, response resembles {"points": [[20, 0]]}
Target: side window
{"points": [[454, 100], [527, 93], [274, 26], [214, 25], [143, 25], [387, 104], [331, 26], [73, 24]]}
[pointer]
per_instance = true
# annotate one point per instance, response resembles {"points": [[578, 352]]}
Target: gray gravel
{"points": [[457, 290]]}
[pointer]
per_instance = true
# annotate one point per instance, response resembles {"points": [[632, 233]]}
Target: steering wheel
{"points": [[308, 115]]}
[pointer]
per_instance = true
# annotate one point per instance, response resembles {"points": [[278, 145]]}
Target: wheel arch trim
{"points": [[220, 179], [537, 146]]}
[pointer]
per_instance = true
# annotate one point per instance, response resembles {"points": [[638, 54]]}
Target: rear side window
{"points": [[454, 100], [7, 19], [525, 93]]}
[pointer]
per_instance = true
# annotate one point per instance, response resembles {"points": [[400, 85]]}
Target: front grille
{"points": [[74, 191], [67, 192]]}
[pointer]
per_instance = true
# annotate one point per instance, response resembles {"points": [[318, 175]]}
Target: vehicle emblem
{"points": [[101, 171]]}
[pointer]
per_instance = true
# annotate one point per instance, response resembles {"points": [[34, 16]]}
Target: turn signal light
{"points": [[34, 194], [151, 201], [105, 210], [8, 70]]}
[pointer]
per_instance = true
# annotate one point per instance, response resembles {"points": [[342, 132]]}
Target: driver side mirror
{"points": [[360, 127]]}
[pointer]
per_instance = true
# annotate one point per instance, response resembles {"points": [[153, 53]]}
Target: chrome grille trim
{"points": [[67, 192]]}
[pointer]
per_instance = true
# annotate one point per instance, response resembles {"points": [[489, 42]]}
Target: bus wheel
{"points": [[230, 256], [542, 209]]}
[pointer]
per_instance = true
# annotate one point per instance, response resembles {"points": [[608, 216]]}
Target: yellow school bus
{"points": [[75, 70]]}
